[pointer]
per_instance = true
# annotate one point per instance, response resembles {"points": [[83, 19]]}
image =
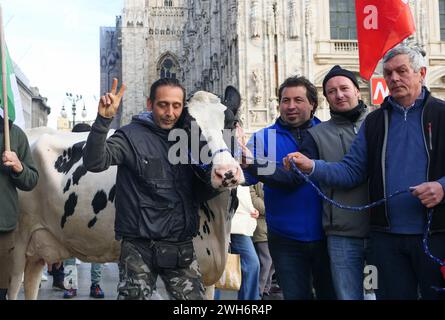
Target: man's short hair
{"points": [[416, 56], [172, 82], [300, 81]]}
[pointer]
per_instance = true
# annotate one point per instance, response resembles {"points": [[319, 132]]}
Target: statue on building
{"points": [[294, 30], [214, 76], [255, 21], [270, 20], [257, 79], [273, 108]]}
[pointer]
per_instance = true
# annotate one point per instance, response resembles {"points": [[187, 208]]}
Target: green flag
{"points": [[15, 111]]}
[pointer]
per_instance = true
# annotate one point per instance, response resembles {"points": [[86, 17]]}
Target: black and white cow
{"points": [[70, 213]]}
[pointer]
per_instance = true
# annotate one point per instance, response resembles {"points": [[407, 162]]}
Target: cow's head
{"points": [[213, 117]]}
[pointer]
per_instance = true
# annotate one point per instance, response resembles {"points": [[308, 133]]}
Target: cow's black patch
{"points": [[207, 211], [67, 186], [205, 228], [112, 194], [70, 206], [92, 222], [99, 201], [208, 252], [79, 173], [66, 161]]}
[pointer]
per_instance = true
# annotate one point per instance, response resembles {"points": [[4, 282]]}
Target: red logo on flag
{"points": [[381, 25], [379, 90]]}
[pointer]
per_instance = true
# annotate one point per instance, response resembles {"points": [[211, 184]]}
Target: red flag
{"points": [[381, 25]]}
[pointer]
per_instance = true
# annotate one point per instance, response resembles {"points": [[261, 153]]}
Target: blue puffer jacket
{"points": [[291, 212]]}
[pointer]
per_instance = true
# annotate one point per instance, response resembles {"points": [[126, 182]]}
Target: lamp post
{"points": [[74, 99]]}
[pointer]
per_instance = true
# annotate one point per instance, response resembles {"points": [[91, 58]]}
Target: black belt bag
{"points": [[172, 255]]}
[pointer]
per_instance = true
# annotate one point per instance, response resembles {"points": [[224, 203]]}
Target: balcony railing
{"points": [[344, 46]]}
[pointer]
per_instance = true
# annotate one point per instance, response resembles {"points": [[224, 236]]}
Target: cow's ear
{"points": [[232, 99]]}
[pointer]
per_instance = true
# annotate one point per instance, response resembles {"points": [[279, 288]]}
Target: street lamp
{"points": [[74, 99]]}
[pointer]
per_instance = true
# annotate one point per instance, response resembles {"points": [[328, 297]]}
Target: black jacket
{"points": [[154, 199], [433, 123]]}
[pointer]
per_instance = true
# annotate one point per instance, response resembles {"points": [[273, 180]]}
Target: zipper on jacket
{"points": [[405, 111], [430, 135], [426, 148], [342, 143], [354, 127], [383, 162]]}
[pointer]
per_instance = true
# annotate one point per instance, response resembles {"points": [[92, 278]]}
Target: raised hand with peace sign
{"points": [[109, 103]]}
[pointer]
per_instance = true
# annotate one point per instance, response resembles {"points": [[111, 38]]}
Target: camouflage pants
{"points": [[138, 275]]}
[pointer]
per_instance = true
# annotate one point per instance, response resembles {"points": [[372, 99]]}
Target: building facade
{"points": [[254, 45], [35, 107]]}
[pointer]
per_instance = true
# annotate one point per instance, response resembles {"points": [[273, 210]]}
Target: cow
{"points": [[71, 211]]}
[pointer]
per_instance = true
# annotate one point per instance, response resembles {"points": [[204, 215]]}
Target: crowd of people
{"points": [[282, 227]]}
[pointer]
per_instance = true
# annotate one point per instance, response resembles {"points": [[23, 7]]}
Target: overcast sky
{"points": [[56, 45]]}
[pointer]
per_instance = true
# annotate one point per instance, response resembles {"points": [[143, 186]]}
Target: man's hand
{"points": [[255, 214], [302, 162], [10, 159], [247, 156], [109, 103], [429, 193]]}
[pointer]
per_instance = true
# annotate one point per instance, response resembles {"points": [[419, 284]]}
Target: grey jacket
{"points": [[333, 139]]}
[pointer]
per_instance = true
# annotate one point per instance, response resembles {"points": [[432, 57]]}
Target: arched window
{"points": [[168, 68], [168, 3]]}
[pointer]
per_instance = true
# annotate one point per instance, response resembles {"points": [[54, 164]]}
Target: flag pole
{"points": [[4, 86]]}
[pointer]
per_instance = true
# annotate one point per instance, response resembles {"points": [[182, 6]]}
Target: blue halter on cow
{"points": [[71, 212]]}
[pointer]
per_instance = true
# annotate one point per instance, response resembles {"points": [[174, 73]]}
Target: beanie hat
{"points": [[339, 71]]}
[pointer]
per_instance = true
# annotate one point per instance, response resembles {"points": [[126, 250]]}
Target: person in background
{"points": [[260, 240], [243, 226]]}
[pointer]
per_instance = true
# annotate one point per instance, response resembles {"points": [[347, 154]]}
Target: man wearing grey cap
{"points": [[346, 231]]}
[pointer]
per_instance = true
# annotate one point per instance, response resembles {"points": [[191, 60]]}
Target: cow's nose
{"points": [[220, 173]]}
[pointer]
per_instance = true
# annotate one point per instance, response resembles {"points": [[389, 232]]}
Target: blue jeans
{"points": [[250, 267], [347, 257], [403, 268], [96, 270], [299, 266]]}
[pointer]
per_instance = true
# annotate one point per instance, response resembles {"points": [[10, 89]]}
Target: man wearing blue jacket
{"points": [[400, 145], [293, 214]]}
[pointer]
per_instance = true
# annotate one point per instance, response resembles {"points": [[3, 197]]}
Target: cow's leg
{"points": [[33, 276], [14, 286], [210, 292], [17, 274], [17, 271]]}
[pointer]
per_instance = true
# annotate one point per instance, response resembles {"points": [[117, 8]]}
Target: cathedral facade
{"points": [[253, 45]]}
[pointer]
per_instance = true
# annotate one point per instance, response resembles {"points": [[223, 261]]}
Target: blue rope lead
{"points": [[376, 203], [359, 208]]}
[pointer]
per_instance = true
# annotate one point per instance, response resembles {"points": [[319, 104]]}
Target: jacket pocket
{"points": [[150, 168], [156, 219]]}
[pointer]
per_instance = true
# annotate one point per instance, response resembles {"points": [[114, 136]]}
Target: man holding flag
{"points": [[17, 170]]}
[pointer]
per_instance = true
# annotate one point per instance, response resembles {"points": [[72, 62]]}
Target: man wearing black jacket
{"points": [[156, 208]]}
